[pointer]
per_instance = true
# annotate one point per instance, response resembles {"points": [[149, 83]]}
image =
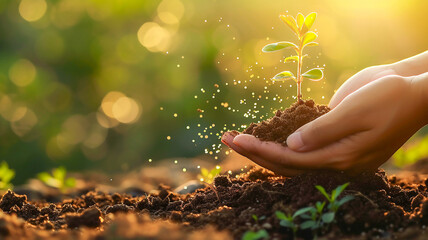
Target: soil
{"points": [[383, 207], [284, 123]]}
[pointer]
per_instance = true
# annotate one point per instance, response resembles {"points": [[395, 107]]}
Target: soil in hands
{"points": [[284, 123], [382, 207]]}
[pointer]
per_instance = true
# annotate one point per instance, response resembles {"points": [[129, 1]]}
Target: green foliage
{"points": [[250, 235], [410, 155], [6, 175], [315, 217], [208, 176], [300, 26], [57, 179]]}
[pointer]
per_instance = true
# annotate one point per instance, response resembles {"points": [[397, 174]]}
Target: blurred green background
{"points": [[109, 84]]}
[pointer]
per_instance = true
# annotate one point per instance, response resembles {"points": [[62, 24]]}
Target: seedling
{"points": [[257, 219], [334, 205], [207, 178], [250, 235], [317, 217], [57, 179], [6, 175], [300, 26], [288, 220]]}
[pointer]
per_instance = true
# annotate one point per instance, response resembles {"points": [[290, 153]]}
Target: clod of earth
{"points": [[382, 207], [284, 123]]}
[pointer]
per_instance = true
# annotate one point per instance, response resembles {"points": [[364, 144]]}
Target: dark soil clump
{"points": [[284, 123], [383, 207]]}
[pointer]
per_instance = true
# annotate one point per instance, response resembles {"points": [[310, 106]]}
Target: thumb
{"points": [[330, 127]]}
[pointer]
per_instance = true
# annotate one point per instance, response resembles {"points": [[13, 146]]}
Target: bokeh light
{"points": [[32, 10], [22, 73]]}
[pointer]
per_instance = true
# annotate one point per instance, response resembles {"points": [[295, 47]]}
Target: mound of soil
{"points": [[382, 208], [284, 123]]}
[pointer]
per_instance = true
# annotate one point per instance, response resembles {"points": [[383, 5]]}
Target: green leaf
{"points": [[59, 173], [303, 210], [328, 217], [308, 224], [70, 182], [323, 192], [300, 20], [336, 192], [286, 223], [254, 216], [250, 235], [310, 19], [204, 172], [291, 59], [311, 44], [280, 215], [320, 206], [278, 46], [344, 200], [314, 74], [283, 76], [291, 22], [309, 37]]}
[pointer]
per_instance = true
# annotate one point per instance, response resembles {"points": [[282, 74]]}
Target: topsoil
{"points": [[383, 207], [284, 123]]}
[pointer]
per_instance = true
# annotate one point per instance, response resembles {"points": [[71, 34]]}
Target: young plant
{"points": [[57, 179], [6, 175], [318, 217], [288, 220], [208, 176], [300, 26], [251, 235], [334, 204]]}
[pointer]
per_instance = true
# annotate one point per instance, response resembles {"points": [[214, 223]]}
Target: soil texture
{"points": [[383, 207], [284, 123]]}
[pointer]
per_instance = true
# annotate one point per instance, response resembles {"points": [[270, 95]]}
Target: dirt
{"points": [[284, 123], [383, 207]]}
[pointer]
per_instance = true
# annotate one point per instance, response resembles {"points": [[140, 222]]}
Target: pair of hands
{"points": [[373, 114]]}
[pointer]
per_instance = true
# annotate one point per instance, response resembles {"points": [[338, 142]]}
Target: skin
{"points": [[373, 114]]}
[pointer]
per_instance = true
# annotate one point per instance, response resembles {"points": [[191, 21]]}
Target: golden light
{"points": [[108, 101], [105, 121], [22, 73], [126, 110], [32, 10], [154, 37], [170, 11], [119, 107]]}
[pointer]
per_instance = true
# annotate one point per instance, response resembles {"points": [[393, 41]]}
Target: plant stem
{"points": [[299, 72]]}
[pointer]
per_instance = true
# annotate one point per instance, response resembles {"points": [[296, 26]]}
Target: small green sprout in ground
{"points": [[288, 220], [257, 219], [300, 26], [208, 176], [57, 179], [250, 235], [318, 217], [6, 175]]}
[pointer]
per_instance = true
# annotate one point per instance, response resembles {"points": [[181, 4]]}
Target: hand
{"points": [[360, 133]]}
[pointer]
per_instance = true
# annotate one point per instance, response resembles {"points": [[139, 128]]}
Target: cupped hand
{"points": [[365, 128]]}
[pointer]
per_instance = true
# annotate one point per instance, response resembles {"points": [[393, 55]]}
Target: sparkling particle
{"points": [[150, 160], [168, 138]]}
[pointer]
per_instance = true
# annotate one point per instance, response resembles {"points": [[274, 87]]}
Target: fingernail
{"points": [[240, 140], [295, 142]]}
